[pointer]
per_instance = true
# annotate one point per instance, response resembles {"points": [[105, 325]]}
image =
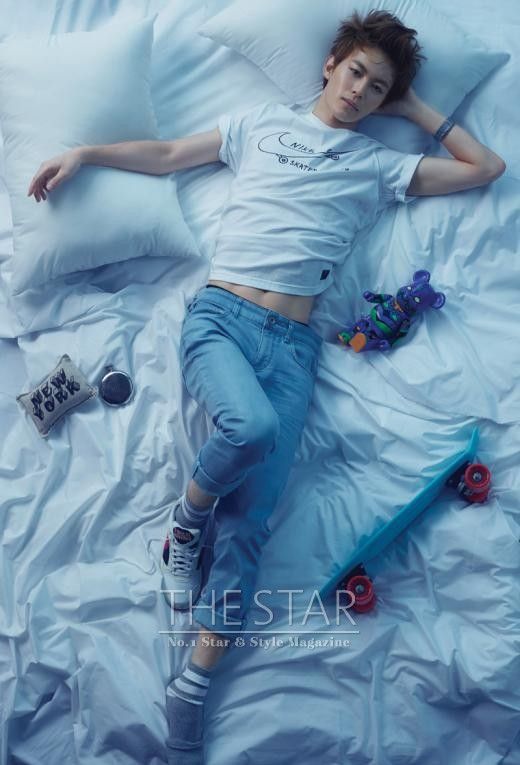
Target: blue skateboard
{"points": [[470, 479]]}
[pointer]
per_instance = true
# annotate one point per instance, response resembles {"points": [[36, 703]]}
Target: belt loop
{"points": [[288, 334]]}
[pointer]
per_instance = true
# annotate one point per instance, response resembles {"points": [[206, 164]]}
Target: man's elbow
{"points": [[497, 169]]}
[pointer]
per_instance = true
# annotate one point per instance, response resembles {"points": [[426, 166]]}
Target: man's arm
{"points": [[194, 150], [153, 157], [474, 164], [156, 157]]}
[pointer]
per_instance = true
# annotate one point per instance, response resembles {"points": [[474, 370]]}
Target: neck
{"points": [[322, 111]]}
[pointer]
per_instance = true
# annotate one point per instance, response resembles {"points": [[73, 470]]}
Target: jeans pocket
{"points": [[216, 308], [211, 305], [305, 356]]}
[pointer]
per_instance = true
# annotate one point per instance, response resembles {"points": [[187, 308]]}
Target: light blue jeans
{"points": [[253, 370]]}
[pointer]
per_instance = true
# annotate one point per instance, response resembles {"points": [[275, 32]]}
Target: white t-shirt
{"points": [[300, 193]]}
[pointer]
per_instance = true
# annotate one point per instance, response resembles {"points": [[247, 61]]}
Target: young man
{"points": [[304, 185]]}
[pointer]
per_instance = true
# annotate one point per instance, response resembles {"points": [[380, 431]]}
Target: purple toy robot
{"points": [[390, 320]]}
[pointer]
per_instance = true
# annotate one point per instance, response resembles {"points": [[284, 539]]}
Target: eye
{"points": [[354, 70]]}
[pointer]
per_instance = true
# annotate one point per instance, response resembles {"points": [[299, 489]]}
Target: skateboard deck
{"points": [[403, 518]]}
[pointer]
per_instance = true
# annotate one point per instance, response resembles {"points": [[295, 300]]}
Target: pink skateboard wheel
{"points": [[363, 591], [475, 483]]}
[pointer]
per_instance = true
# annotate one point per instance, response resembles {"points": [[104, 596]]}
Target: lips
{"points": [[352, 105]]}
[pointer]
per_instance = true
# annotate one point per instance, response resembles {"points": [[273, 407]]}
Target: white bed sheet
{"points": [[432, 675]]}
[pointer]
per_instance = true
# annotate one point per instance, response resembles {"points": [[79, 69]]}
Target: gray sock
{"points": [[190, 516], [185, 711]]}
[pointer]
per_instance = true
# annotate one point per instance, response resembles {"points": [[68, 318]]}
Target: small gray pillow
{"points": [[60, 391]]}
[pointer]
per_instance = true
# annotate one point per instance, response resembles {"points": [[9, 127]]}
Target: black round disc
{"points": [[116, 388]]}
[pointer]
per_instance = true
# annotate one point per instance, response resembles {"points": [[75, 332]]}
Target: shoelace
{"points": [[183, 556]]}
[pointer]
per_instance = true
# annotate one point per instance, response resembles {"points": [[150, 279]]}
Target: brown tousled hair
{"points": [[382, 30]]}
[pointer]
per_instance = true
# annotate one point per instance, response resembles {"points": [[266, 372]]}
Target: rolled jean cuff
{"points": [[216, 622], [210, 486]]}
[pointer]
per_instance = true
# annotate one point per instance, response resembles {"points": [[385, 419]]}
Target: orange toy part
{"points": [[358, 342]]}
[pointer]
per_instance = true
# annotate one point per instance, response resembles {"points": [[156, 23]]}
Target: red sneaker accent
{"points": [[166, 550], [182, 535]]}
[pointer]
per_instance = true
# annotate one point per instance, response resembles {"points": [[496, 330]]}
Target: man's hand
{"points": [[52, 172], [401, 108]]}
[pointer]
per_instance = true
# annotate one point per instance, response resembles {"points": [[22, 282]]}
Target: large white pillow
{"points": [[70, 90], [290, 39]]}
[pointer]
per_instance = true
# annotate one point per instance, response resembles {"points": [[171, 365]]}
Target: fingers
{"points": [[34, 185], [34, 188], [38, 191], [41, 184]]}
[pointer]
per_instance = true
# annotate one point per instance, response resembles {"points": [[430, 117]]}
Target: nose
{"points": [[358, 92]]}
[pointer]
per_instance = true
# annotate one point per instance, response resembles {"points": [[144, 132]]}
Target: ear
{"points": [[328, 66], [421, 277], [440, 299]]}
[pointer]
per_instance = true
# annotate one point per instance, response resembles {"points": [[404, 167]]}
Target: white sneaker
{"points": [[181, 565]]}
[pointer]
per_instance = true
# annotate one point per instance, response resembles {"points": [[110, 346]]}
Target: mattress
{"points": [[87, 642]]}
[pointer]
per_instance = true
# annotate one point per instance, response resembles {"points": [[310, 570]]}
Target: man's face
{"points": [[364, 78]]}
